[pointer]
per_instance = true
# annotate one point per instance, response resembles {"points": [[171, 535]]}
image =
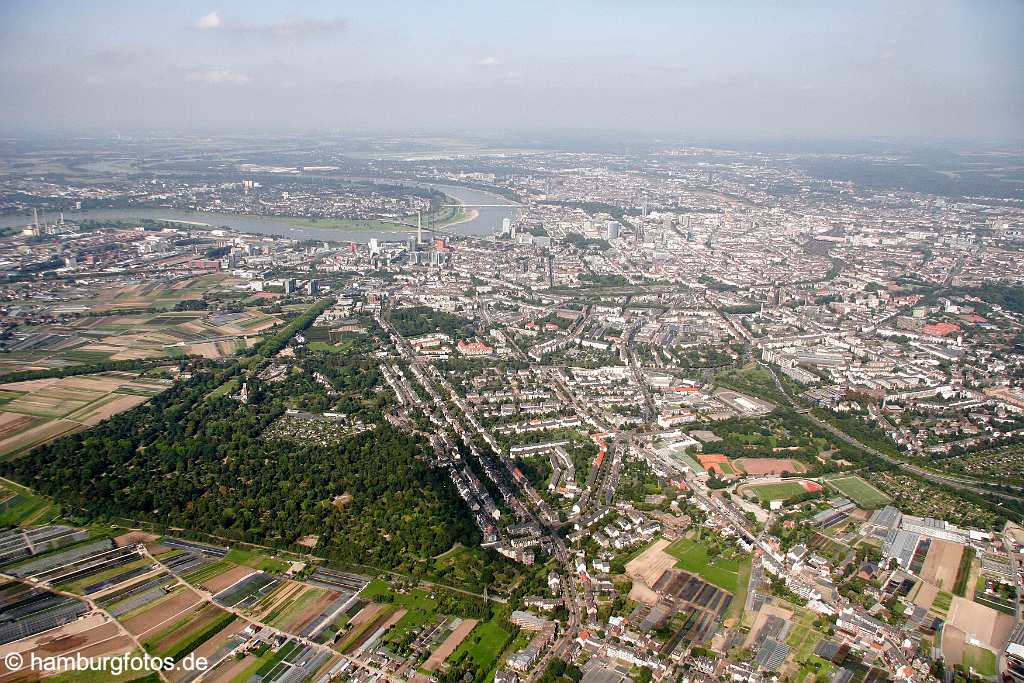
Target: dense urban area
{"points": [[455, 411]]}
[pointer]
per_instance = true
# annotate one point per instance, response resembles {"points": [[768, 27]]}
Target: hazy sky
{"points": [[804, 69]]}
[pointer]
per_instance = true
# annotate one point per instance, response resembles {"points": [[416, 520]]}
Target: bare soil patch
{"points": [[134, 538], [760, 467], [648, 566], [161, 612], [459, 634], [984, 624], [942, 564], [218, 583], [208, 648]]}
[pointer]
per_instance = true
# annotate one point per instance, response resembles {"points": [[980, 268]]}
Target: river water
{"points": [[486, 222]]}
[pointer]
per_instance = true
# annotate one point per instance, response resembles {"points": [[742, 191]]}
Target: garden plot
{"points": [[450, 644], [157, 613], [91, 636]]}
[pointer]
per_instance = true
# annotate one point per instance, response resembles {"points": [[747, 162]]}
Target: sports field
{"points": [[860, 492], [783, 490]]}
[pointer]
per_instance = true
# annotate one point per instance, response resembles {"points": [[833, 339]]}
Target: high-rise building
{"points": [[611, 230]]}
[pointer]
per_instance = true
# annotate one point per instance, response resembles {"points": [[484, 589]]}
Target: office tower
{"points": [[611, 230]]}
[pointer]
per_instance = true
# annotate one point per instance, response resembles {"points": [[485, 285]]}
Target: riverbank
{"points": [[464, 220]]}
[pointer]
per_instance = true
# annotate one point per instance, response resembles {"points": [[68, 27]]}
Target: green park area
{"points": [[981, 660]]}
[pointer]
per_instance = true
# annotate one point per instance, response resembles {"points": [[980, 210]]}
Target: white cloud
{"points": [[290, 27], [218, 76], [488, 61], [211, 20]]}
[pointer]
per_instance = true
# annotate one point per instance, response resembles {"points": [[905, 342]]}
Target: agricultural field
{"points": [[166, 618], [123, 325], [19, 506], [187, 632], [91, 636], [37, 411], [860, 492]]}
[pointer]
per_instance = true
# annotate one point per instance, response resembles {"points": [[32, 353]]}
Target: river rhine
{"points": [[486, 222]]}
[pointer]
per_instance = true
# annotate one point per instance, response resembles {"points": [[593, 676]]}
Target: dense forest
{"points": [[419, 320], [196, 458]]}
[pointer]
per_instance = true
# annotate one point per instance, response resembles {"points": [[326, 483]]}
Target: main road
{"points": [[944, 479]]}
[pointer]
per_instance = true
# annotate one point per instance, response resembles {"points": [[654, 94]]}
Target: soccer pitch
{"points": [[860, 492]]}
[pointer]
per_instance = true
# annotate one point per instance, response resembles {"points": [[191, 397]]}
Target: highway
{"points": [[944, 479]]}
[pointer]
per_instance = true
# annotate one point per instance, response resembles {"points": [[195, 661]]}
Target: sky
{"points": [[935, 69]]}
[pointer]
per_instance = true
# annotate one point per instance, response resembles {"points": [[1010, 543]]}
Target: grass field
{"points": [[981, 660], [484, 644], [692, 555], [256, 561], [294, 606], [779, 491], [860, 492], [341, 347], [18, 505]]}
